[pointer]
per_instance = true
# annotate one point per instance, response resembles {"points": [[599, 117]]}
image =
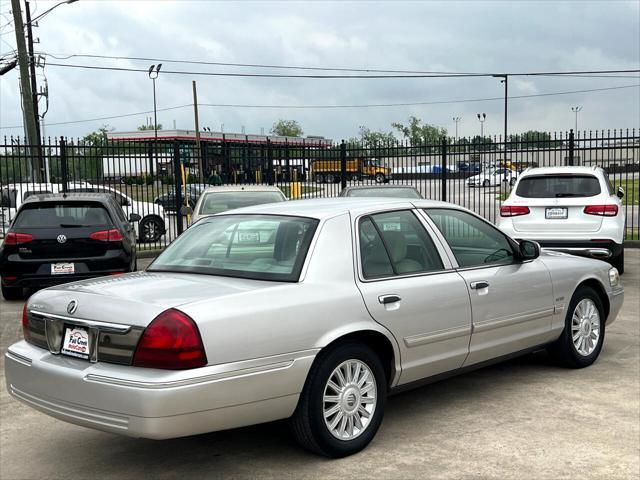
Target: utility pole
{"points": [[195, 117], [34, 90], [31, 130]]}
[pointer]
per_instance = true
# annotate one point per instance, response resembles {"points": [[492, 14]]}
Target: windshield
{"points": [[260, 247], [51, 215], [384, 192], [218, 202], [558, 186]]}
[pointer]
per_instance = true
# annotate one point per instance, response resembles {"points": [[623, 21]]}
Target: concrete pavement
{"points": [[524, 419]]}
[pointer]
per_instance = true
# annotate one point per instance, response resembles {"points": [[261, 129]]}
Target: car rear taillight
{"points": [[171, 341], [602, 210], [17, 238], [513, 210], [26, 333], [112, 235]]}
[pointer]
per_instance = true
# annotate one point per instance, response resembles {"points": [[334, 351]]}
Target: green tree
{"points": [[532, 139], [419, 133], [287, 128], [149, 127]]}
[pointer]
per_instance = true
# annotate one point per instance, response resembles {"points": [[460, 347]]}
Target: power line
{"points": [[316, 76], [335, 69], [379, 105]]}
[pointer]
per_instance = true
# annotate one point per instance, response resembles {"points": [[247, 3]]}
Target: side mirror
{"points": [[529, 250], [186, 210], [620, 192], [134, 217]]}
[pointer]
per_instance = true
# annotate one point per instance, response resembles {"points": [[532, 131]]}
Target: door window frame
{"points": [[452, 257], [447, 265]]}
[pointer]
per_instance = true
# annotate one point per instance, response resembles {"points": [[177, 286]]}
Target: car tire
{"points": [[331, 178], [12, 293], [363, 397], [354, 177], [151, 229], [379, 177], [486, 183], [319, 178], [618, 262], [512, 182], [585, 308]]}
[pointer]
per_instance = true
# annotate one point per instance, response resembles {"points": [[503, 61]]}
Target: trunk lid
{"points": [[536, 221]]}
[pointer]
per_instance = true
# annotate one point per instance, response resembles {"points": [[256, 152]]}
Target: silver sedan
{"points": [[313, 311]]}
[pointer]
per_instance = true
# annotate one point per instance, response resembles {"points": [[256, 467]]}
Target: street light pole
{"points": [[154, 70], [457, 120], [481, 118], [576, 110]]}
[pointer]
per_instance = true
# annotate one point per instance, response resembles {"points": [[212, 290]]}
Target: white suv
{"points": [[569, 209]]}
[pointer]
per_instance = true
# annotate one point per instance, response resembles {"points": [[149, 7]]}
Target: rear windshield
{"points": [[69, 215], [260, 247], [384, 192], [557, 186], [218, 202]]}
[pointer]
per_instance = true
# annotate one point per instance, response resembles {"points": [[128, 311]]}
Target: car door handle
{"points": [[386, 299], [479, 285]]}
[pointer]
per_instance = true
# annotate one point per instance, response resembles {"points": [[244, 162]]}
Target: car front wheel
{"points": [[583, 334], [380, 178], [342, 403], [151, 229]]}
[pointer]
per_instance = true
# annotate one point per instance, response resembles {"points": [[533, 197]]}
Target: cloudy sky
{"points": [[471, 36]]}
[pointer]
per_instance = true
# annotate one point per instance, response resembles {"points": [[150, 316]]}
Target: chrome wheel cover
{"points": [[150, 230], [349, 399], [585, 327]]}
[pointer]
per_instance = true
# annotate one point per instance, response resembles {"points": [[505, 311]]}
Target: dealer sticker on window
{"points": [[76, 342]]}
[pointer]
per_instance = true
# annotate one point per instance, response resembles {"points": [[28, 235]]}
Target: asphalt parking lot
{"points": [[525, 418]]}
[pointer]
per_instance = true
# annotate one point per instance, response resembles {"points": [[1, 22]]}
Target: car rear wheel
{"points": [[581, 340], [151, 229], [12, 293], [486, 183], [379, 177], [342, 403]]}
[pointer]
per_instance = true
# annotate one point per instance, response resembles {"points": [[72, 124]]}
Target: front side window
{"points": [[558, 186], [395, 243], [260, 247], [473, 241], [218, 202]]}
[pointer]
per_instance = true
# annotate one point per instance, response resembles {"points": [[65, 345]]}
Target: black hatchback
{"points": [[61, 238]]}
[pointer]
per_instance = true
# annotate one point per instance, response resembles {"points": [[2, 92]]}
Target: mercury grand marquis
{"points": [[312, 311]]}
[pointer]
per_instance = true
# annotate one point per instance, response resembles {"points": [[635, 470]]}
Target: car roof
{"points": [[367, 187], [242, 188], [69, 197], [565, 170], [322, 208]]}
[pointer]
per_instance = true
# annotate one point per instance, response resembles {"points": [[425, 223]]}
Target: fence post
{"points": [[270, 163], [64, 166], [177, 173], [571, 147], [343, 165], [444, 169]]}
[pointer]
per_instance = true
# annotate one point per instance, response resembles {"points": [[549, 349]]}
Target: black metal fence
{"points": [[156, 180]]}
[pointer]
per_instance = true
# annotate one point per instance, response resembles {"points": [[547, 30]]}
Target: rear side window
{"points": [[69, 215], [395, 243], [558, 186]]}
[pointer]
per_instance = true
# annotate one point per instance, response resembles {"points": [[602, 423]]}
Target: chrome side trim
{"points": [[588, 251], [511, 320], [617, 291], [438, 336], [19, 358], [188, 381], [103, 326], [559, 308]]}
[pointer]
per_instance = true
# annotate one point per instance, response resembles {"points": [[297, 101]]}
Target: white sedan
{"points": [[311, 310], [493, 177]]}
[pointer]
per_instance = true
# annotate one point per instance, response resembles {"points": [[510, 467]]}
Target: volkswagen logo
{"points": [[62, 238], [72, 307]]}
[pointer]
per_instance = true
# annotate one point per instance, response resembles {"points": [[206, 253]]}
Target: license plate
{"points": [[62, 268], [555, 213], [76, 342]]}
